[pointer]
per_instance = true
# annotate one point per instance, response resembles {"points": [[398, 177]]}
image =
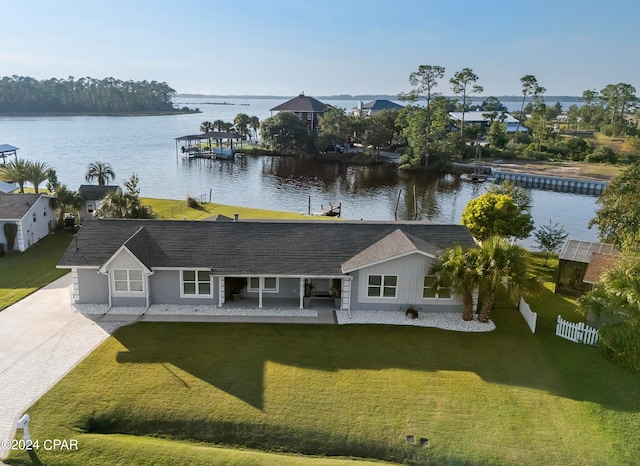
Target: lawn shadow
{"points": [[232, 357]]}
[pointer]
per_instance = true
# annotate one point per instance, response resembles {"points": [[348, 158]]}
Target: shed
{"points": [[575, 259]]}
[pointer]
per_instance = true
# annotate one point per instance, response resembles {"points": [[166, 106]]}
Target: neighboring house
{"points": [[374, 107], [93, 196], [35, 215], [307, 108], [370, 265], [483, 119], [581, 265]]}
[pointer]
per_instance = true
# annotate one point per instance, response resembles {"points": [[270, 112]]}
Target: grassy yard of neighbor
{"points": [[192, 393], [177, 210], [22, 273]]}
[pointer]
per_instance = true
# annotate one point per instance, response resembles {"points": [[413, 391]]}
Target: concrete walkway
{"points": [[40, 341]]}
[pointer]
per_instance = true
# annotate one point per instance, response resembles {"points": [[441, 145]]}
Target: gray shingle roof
{"points": [[302, 103], [94, 192], [247, 247], [395, 244], [380, 104], [15, 206]]}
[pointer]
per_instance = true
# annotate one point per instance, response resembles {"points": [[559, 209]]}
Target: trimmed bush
{"points": [[621, 343]]}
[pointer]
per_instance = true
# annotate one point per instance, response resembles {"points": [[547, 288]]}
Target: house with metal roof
{"points": [[181, 267], [33, 214], [307, 108], [374, 107], [484, 119]]}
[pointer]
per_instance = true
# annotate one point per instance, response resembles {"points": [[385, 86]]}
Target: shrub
{"points": [[602, 155], [621, 343]]}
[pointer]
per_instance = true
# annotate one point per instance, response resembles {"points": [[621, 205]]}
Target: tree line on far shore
{"points": [[425, 134], [23, 94]]}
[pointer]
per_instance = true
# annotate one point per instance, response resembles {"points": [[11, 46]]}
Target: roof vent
{"points": [[235, 217]]}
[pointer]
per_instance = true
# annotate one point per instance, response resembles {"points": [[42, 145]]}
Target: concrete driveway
{"points": [[40, 341]]}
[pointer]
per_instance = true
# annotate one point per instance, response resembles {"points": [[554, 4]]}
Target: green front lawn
{"points": [[22, 273], [503, 397]]}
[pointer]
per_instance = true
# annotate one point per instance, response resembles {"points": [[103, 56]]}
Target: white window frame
{"points": [[436, 295], [382, 286], [129, 281], [197, 283], [35, 217], [91, 208], [252, 289]]}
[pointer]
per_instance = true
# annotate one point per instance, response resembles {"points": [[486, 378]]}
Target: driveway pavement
{"points": [[40, 341]]}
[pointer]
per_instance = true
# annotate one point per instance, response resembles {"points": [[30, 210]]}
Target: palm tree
{"points": [[206, 126], [100, 171], [67, 199], [217, 125], [15, 172], [462, 269], [618, 294], [37, 172], [504, 264], [254, 123]]}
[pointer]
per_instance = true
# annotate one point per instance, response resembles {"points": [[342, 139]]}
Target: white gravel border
{"points": [[443, 320], [190, 310]]}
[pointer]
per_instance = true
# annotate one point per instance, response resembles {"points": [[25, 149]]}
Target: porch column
{"points": [[221, 291], [260, 292], [301, 292], [346, 293]]}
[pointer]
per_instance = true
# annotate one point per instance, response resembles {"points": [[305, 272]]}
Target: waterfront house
{"points": [[93, 196], [484, 119], [266, 264], [374, 107], [307, 108], [33, 214]]}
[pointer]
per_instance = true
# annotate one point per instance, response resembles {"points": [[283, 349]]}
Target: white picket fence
{"points": [[577, 332]]}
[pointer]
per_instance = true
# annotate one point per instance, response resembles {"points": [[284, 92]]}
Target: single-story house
{"points": [[93, 195], [484, 119], [374, 107], [34, 215], [262, 264], [581, 265], [307, 108]]}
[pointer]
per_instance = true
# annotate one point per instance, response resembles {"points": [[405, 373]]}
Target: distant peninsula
{"points": [[23, 95], [368, 97]]}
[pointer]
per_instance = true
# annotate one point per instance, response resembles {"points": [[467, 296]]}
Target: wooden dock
{"points": [[329, 211]]}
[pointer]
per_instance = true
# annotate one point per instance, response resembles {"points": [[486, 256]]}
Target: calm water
{"points": [[146, 146]]}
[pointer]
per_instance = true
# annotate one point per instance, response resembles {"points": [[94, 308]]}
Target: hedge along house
{"points": [[307, 108], [34, 217], [180, 266]]}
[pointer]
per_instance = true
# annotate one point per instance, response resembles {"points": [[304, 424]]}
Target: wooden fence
{"points": [[577, 332]]}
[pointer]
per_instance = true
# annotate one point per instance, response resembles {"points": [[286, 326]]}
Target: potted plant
{"points": [[236, 284], [308, 289], [412, 313], [335, 292]]}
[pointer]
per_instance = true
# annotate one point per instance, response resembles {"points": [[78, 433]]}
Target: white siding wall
{"points": [[410, 271]]}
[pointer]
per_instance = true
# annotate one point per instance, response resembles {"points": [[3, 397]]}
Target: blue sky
{"points": [[324, 47]]}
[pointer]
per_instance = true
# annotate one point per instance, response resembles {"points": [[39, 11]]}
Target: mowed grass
{"points": [[22, 273], [178, 210], [503, 397]]}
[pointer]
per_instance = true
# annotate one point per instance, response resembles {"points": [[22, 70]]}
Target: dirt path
{"points": [[567, 169]]}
